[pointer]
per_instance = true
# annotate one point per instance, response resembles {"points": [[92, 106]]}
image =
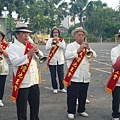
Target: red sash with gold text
{"points": [[113, 81], [4, 46], [52, 52], [20, 74], [73, 67]]}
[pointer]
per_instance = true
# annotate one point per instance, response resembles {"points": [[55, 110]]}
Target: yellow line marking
{"points": [[101, 70], [105, 57], [101, 62], [49, 88], [106, 68]]}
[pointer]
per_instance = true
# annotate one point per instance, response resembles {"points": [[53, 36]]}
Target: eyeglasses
{"points": [[55, 32]]}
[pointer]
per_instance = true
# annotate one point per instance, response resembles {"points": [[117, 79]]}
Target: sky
{"points": [[110, 3]]}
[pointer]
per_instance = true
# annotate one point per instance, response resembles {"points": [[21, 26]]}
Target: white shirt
{"points": [[17, 58], [115, 53], [82, 73], [59, 55]]}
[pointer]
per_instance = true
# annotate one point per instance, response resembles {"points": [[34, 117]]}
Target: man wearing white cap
{"points": [[78, 76], [25, 73]]}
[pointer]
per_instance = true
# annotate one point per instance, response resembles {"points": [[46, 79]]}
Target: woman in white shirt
{"points": [[56, 62], [4, 69]]}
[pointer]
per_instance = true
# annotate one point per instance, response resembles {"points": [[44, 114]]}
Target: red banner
{"points": [[73, 67], [112, 81], [52, 52]]}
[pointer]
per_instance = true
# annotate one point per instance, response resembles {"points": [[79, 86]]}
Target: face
{"points": [[79, 37], [1, 37], [55, 34], [23, 37]]}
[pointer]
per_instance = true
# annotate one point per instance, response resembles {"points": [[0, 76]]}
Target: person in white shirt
{"points": [[4, 68], [56, 63], [115, 58], [22, 54], [81, 78]]}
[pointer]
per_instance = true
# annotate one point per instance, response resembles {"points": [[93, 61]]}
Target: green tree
{"points": [[77, 8], [100, 19]]}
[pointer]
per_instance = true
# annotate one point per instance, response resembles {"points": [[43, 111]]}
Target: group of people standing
{"points": [[25, 85]]}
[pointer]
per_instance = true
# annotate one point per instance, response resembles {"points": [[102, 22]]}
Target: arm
{"points": [[114, 55], [62, 44], [70, 53], [115, 58], [5, 53], [48, 45], [94, 53], [15, 58]]}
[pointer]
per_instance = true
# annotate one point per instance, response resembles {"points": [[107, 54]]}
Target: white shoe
{"points": [[77, 102], [84, 114], [1, 103], [87, 101], [63, 90], [115, 119], [71, 116], [55, 91]]}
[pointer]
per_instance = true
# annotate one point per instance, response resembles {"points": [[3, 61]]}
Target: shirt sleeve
{"points": [[15, 59], [70, 53], [48, 45], [114, 55], [62, 44]]}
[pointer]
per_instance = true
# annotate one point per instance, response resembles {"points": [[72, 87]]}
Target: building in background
{"points": [[67, 22]]}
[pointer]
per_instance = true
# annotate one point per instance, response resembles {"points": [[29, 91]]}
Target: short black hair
{"points": [[119, 36]]}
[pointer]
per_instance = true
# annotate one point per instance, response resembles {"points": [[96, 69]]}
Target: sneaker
{"points": [[84, 114], [55, 91], [77, 102], [1, 103], [63, 90], [115, 119], [71, 116], [87, 101]]}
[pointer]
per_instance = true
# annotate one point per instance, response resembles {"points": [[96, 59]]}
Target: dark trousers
{"points": [[60, 72], [32, 95], [116, 102], [74, 91], [2, 85]]}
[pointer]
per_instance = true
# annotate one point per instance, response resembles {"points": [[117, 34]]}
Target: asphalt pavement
{"points": [[54, 106]]}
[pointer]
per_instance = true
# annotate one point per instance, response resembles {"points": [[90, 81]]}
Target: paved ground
{"points": [[53, 106]]}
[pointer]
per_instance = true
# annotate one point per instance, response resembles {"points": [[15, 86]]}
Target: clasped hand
{"points": [[83, 45], [33, 50]]}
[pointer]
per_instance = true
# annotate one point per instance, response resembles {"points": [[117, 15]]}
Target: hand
{"points": [[53, 39], [33, 50], [87, 46], [82, 46], [1, 47]]}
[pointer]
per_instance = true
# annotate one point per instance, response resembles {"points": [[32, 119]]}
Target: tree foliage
{"points": [[42, 15]]}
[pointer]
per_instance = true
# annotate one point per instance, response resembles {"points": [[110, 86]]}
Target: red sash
{"points": [[73, 67], [4, 46], [52, 52], [20, 74], [113, 81]]}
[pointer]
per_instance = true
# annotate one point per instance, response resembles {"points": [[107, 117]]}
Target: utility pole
{"points": [[5, 9]]}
